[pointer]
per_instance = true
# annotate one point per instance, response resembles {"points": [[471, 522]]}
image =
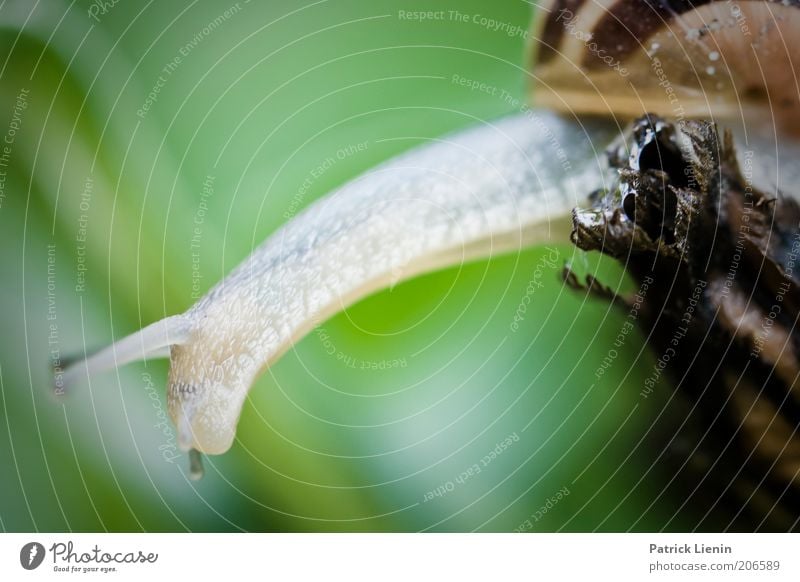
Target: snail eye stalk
{"points": [[196, 470]]}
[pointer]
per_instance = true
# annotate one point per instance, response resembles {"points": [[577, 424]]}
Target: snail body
{"points": [[481, 193], [489, 190]]}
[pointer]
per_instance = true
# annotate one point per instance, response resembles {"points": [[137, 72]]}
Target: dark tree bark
{"points": [[719, 259]]}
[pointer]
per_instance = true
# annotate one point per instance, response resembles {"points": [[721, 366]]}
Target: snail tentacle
{"points": [[153, 341]]}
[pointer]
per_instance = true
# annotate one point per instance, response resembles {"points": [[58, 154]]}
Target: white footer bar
{"points": [[416, 557]]}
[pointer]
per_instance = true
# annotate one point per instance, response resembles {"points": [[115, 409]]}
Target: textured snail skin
{"points": [[487, 191], [481, 193]]}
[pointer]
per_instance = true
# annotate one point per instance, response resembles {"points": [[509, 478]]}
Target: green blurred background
{"points": [[258, 100]]}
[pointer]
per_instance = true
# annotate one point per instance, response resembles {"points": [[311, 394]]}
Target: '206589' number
{"points": [[758, 565]]}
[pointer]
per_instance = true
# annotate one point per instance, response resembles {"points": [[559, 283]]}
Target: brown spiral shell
{"points": [[676, 58]]}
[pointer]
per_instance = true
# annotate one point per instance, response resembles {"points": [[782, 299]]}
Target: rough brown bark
{"points": [[721, 261]]}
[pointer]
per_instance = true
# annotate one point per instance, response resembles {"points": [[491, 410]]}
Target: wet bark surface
{"points": [[720, 262]]}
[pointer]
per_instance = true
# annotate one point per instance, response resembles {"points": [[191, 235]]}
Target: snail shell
{"points": [[703, 59], [486, 191]]}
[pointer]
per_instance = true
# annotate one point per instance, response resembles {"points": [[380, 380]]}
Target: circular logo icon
{"points": [[31, 555]]}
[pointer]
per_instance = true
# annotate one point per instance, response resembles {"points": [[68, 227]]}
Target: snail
{"points": [[594, 67]]}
